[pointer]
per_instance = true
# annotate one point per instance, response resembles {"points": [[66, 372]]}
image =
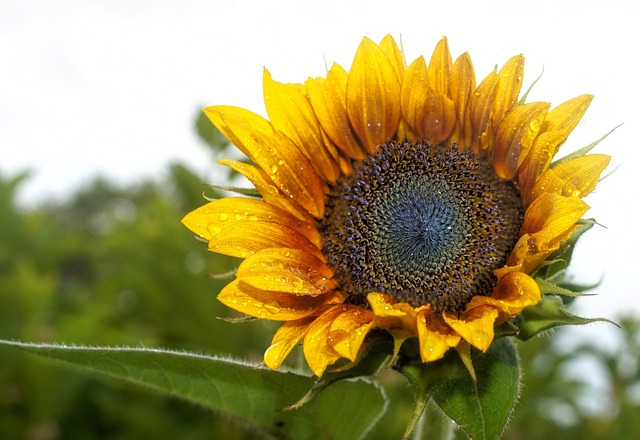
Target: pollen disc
{"points": [[424, 224]]}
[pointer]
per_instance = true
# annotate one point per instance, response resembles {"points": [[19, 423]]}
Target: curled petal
{"points": [[435, 336], [285, 339], [348, 331], [512, 294], [477, 130], [474, 325], [317, 351]]}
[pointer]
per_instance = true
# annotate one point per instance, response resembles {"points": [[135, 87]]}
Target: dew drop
{"points": [[272, 307], [534, 125], [223, 216]]}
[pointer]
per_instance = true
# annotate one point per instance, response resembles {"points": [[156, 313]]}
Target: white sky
{"points": [[112, 87]]}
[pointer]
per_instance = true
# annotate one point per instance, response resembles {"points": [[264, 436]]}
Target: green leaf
{"points": [[481, 408], [253, 397], [550, 312]]}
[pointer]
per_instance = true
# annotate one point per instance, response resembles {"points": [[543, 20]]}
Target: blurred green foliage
{"points": [[113, 266]]}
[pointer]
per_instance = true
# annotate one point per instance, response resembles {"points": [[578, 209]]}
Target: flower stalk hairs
{"points": [[402, 203]]}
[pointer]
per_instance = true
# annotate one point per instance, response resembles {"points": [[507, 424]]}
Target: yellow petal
{"points": [[508, 89], [515, 137], [461, 85], [414, 91], [318, 353], [243, 239], [373, 95], [440, 68], [514, 292], [348, 331], [209, 220], [276, 306], [391, 49], [268, 190], [214, 113], [286, 338], [478, 132], [557, 126], [435, 337], [291, 113], [549, 217], [475, 325], [574, 177], [281, 159], [382, 305], [440, 117], [287, 270], [327, 97]]}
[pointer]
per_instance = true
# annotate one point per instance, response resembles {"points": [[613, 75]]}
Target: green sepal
{"points": [[547, 288], [236, 189], [482, 408], [369, 363], [584, 150], [550, 312]]}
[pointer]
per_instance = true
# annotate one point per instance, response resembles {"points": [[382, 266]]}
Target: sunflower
{"points": [[395, 199]]}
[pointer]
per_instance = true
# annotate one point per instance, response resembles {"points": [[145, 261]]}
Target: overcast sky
{"points": [[113, 87]]}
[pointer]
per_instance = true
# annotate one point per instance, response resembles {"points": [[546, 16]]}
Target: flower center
{"points": [[424, 224]]}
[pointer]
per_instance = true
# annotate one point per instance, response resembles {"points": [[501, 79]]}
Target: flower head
{"points": [[402, 199]]}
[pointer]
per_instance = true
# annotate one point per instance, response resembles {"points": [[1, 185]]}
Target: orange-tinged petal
{"points": [[291, 113], [475, 325], [285, 339], [268, 190], [549, 217], [317, 351], [440, 68], [382, 305], [435, 337], [209, 220], [478, 132], [243, 239], [555, 129], [439, 117], [275, 306], [574, 177], [391, 49], [373, 95], [461, 85], [281, 159], [508, 89], [287, 270], [514, 292], [348, 331], [327, 97], [515, 137], [414, 91]]}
